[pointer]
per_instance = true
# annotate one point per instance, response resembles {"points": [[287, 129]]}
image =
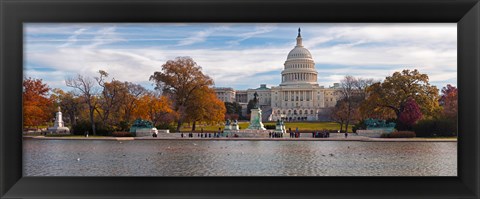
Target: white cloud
{"points": [[365, 50], [73, 38], [247, 35], [200, 36]]}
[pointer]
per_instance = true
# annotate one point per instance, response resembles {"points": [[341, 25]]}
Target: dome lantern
{"points": [[299, 39]]}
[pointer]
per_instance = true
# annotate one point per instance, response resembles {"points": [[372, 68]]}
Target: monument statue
{"points": [[58, 125], [228, 125], [142, 128], [380, 125], [279, 127], [255, 100], [256, 115], [235, 125]]}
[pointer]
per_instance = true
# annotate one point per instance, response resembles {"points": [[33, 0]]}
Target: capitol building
{"points": [[299, 97]]}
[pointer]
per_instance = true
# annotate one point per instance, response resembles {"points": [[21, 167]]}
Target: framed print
{"points": [[154, 99]]}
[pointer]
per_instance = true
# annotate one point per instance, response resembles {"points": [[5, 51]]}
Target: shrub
{"points": [[359, 126], [81, 127], [122, 134], [385, 135], [398, 134], [168, 126], [402, 134], [435, 127], [124, 126], [270, 126]]}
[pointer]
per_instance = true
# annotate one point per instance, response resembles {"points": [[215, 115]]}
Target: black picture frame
{"points": [[13, 13]]}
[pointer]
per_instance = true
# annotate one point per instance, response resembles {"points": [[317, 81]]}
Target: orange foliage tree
{"points": [[157, 109], [36, 104]]}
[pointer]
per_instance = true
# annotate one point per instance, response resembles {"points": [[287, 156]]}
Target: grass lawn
{"points": [[293, 125]]}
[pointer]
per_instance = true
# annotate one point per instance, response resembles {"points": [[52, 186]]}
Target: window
{"points": [[311, 112]]}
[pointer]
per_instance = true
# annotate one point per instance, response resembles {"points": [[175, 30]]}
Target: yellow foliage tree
{"points": [[205, 108]]}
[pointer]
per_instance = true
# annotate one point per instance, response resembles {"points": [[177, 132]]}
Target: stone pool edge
{"points": [[358, 139]]}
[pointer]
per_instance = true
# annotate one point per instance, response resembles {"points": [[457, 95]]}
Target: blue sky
{"points": [[238, 55]]}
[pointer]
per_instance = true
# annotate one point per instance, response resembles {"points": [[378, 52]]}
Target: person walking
{"points": [[346, 134]]}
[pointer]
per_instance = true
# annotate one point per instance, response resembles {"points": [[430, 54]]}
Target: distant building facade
{"points": [[298, 97], [225, 94]]}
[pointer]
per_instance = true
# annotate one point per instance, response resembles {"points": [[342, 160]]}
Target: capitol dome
{"points": [[299, 52], [299, 68]]}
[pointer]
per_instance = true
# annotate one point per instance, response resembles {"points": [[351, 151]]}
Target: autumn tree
{"points": [[36, 104], [410, 114], [347, 95], [449, 101], [206, 108], [179, 79], [112, 97], [339, 113], [68, 102], [130, 101], [85, 87], [361, 87], [395, 90], [154, 107], [352, 94]]}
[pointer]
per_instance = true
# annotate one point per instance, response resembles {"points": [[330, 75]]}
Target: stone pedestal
{"points": [[145, 132], [256, 120], [235, 127], [278, 128]]}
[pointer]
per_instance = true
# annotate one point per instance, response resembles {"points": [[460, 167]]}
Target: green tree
{"points": [[250, 106], [233, 108]]}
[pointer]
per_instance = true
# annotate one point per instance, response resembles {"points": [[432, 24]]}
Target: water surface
{"points": [[237, 158]]}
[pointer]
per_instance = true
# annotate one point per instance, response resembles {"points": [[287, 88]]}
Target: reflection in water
{"points": [[237, 158]]}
